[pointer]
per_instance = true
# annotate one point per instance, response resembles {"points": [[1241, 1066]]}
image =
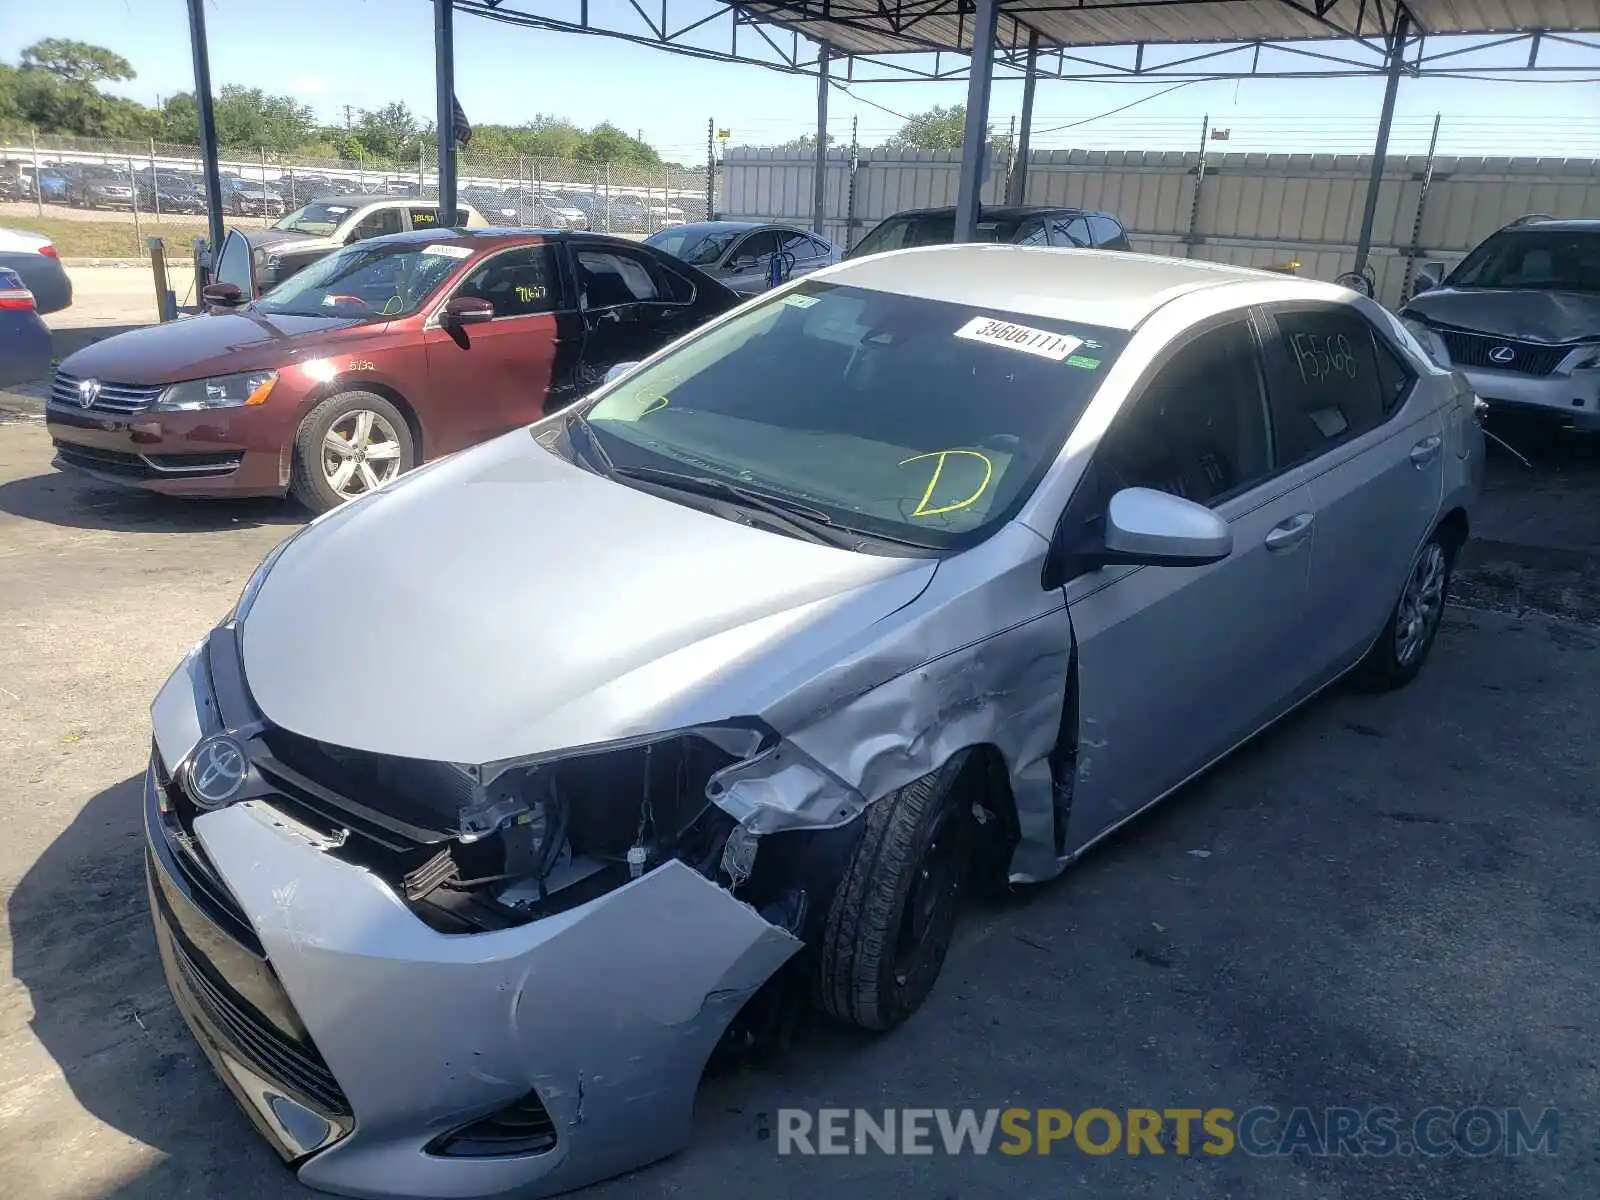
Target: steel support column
{"points": [[975, 141], [1380, 150], [444, 83], [1019, 167], [208, 126], [819, 198]]}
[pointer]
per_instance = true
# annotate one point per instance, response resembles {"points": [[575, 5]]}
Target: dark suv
{"points": [[1023, 225], [1520, 318]]}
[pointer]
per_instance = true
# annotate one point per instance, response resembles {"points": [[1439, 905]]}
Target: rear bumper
{"points": [[1568, 399], [227, 452]]}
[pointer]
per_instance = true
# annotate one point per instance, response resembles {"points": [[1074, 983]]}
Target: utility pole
{"points": [[349, 116], [711, 166]]}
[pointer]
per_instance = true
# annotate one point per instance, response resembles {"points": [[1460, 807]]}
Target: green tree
{"points": [[942, 127], [392, 131], [76, 62], [806, 141], [246, 118], [605, 143]]}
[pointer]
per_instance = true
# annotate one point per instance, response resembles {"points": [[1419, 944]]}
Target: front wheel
{"points": [[894, 913], [349, 445], [1403, 647]]}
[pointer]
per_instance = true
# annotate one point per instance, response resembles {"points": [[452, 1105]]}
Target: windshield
{"points": [[369, 279], [696, 249], [916, 420], [1564, 260], [320, 220], [937, 229]]}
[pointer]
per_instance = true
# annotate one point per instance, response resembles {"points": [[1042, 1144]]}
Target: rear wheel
{"points": [[1402, 648], [349, 445], [894, 913]]}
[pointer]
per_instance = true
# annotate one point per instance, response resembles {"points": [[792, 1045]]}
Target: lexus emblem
{"points": [[1502, 354], [88, 393], [217, 771]]}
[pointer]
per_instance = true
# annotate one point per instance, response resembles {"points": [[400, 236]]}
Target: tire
{"points": [[314, 474], [1397, 656], [867, 973]]}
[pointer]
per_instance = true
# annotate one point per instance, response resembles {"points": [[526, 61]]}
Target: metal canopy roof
{"points": [[880, 27]]}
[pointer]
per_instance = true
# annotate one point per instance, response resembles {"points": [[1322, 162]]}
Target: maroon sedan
{"points": [[390, 352]]}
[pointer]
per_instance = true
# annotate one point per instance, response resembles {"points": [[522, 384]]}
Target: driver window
{"points": [[754, 250], [519, 283], [376, 224], [1200, 428]]}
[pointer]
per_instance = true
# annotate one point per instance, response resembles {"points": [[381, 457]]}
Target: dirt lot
{"points": [[1388, 900]]}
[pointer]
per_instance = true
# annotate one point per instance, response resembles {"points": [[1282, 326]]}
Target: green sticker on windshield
{"points": [[796, 300], [1079, 360]]}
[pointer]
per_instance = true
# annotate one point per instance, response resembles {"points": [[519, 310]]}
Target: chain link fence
{"points": [[162, 184]]}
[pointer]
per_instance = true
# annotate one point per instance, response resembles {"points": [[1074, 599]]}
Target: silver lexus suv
{"points": [[1520, 318]]}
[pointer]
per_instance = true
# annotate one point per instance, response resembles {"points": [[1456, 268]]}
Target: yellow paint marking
{"points": [[922, 509]]}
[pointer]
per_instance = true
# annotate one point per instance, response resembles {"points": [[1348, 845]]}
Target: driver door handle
{"points": [[1290, 533], [1425, 451]]}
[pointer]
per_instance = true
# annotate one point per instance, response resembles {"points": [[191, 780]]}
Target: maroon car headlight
{"points": [[220, 391]]}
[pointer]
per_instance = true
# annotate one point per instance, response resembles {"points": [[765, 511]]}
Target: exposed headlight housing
{"points": [[1430, 341], [220, 391]]}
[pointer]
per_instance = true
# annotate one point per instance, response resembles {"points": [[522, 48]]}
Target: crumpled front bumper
{"points": [[608, 1011]]}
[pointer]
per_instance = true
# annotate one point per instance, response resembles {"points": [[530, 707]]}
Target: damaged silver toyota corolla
{"points": [[502, 790]]}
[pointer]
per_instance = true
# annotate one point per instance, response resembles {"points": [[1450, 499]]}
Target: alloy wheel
{"points": [[360, 452], [1421, 604]]}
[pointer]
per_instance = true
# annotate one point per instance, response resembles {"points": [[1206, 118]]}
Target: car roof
{"points": [[992, 212], [1559, 224], [719, 226], [1116, 289]]}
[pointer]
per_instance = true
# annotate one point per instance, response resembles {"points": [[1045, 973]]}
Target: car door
{"points": [[747, 267], [1345, 404], [632, 305], [805, 253], [493, 376], [1176, 665], [1032, 232]]}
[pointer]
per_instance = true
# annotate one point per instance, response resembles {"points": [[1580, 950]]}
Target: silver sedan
{"points": [[746, 255], [726, 684]]}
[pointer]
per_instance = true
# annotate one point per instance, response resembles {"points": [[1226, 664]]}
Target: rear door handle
{"points": [[1290, 533], [1425, 451]]}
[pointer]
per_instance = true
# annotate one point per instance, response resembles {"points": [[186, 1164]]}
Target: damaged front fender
{"points": [[608, 1011]]}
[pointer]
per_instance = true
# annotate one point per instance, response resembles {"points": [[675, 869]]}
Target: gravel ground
{"points": [[1387, 900]]}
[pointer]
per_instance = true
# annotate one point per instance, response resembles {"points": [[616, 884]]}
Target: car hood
{"points": [[215, 344], [1537, 316], [504, 602]]}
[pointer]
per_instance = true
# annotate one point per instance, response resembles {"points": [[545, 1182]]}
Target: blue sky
{"points": [[364, 53]]}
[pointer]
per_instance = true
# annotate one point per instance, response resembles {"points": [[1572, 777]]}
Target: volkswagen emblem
{"points": [[88, 393], [217, 771], [1502, 354]]}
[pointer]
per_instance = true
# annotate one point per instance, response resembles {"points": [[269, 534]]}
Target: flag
{"points": [[459, 125]]}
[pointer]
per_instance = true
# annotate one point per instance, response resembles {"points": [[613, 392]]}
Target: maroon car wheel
{"points": [[347, 446]]}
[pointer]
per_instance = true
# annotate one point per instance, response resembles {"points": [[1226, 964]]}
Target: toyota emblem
{"points": [[217, 771], [88, 393], [1502, 354]]}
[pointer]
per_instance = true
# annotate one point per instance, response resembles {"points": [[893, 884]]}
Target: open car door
{"points": [[236, 265]]}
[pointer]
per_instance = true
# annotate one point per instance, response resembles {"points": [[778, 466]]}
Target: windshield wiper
{"points": [[801, 519], [593, 450]]}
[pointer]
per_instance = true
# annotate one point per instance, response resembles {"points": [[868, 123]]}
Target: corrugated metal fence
{"points": [[1249, 209]]}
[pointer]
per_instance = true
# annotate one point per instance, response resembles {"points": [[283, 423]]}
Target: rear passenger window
{"points": [[1107, 232], [1394, 377], [1330, 387]]}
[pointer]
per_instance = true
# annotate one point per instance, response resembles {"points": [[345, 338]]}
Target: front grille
{"points": [[107, 462], [112, 397], [293, 1065], [1528, 358]]}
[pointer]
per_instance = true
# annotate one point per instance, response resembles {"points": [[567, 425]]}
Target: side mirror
{"points": [[467, 310], [223, 295], [617, 370], [1160, 529], [1429, 276]]}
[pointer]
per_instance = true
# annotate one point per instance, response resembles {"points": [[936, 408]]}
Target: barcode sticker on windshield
{"points": [[1042, 342], [448, 251], [333, 208], [795, 300]]}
